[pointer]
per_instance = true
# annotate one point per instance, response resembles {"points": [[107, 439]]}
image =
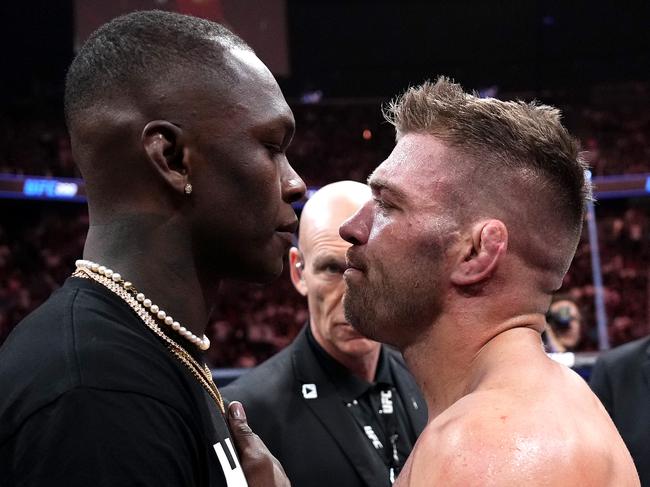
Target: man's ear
{"points": [[482, 253], [164, 146], [296, 268]]}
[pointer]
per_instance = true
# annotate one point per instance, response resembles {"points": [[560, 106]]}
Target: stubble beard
{"points": [[358, 310], [393, 311]]}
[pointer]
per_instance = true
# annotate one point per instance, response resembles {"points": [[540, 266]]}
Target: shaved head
{"points": [[328, 208], [134, 53], [317, 273]]}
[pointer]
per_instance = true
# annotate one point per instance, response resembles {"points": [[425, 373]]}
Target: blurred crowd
{"points": [[624, 241], [347, 139], [39, 242]]}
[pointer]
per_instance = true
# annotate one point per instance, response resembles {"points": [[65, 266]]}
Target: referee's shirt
{"points": [[376, 407]]}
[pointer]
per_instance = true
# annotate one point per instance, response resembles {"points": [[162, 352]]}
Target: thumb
{"points": [[260, 467], [239, 428]]}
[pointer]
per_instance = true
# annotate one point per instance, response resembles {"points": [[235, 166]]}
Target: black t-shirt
{"points": [[89, 396]]}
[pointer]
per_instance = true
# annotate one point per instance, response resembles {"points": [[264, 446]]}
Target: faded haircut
{"points": [[131, 52], [522, 143]]}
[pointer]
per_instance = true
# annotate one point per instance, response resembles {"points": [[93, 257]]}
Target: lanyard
{"points": [[384, 411]]}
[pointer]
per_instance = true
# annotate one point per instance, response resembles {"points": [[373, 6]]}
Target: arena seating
{"points": [[343, 140]]}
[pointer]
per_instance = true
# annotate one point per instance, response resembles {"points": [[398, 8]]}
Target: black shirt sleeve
{"points": [[91, 437]]}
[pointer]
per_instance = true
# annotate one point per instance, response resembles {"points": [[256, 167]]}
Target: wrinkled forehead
{"points": [[419, 166], [319, 224]]}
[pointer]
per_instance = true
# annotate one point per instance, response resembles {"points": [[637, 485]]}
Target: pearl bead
{"points": [[202, 343]]}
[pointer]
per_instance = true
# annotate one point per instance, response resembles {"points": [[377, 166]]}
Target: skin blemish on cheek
{"points": [[503, 418]]}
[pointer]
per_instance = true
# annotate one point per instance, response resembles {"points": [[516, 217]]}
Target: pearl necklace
{"points": [[128, 294], [202, 343]]}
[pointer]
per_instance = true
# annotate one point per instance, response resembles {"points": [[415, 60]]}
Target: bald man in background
{"points": [[334, 407]]}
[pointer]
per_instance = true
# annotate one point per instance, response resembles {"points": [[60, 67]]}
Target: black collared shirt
{"points": [[376, 407]]}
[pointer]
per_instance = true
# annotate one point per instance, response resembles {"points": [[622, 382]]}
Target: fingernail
{"points": [[236, 410]]}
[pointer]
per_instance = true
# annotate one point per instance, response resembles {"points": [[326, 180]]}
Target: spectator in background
{"points": [[621, 380], [334, 407], [563, 325]]}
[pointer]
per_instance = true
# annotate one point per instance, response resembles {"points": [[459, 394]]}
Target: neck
{"points": [[154, 254], [458, 357], [364, 367]]}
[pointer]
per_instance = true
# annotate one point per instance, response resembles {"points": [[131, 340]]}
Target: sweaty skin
{"points": [[540, 427], [471, 314]]}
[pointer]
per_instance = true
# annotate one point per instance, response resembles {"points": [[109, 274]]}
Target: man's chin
{"points": [[361, 327], [354, 312], [262, 272]]}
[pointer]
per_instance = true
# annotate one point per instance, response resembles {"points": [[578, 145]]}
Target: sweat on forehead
{"points": [[128, 54]]}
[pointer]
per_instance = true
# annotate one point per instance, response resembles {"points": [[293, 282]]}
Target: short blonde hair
{"points": [[513, 145]]}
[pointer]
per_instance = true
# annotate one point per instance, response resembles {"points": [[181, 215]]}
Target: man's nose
{"points": [[355, 229], [293, 187]]}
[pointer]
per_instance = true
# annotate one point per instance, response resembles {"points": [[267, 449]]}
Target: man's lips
{"points": [[288, 227], [352, 262], [286, 237], [286, 232]]}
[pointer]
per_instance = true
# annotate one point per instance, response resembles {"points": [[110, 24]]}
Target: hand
{"points": [[260, 467]]}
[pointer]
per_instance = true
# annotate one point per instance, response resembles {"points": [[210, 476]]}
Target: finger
{"points": [[238, 423], [260, 466], [248, 444]]}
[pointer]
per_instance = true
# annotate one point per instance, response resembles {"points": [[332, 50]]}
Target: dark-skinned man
{"points": [[334, 407], [180, 133]]}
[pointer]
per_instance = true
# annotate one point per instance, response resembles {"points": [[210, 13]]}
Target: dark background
{"points": [[376, 48], [591, 59]]}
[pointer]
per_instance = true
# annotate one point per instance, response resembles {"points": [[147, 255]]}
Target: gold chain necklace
{"points": [[202, 374]]}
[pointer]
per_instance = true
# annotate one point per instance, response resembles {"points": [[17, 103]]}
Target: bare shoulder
{"points": [[495, 438]]}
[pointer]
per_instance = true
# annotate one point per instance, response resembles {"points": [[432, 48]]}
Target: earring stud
{"points": [[188, 188]]}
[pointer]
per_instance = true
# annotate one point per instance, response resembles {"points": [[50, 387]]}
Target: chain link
{"points": [[202, 374]]}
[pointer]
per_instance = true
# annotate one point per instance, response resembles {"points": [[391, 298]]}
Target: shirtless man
{"points": [[475, 218]]}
